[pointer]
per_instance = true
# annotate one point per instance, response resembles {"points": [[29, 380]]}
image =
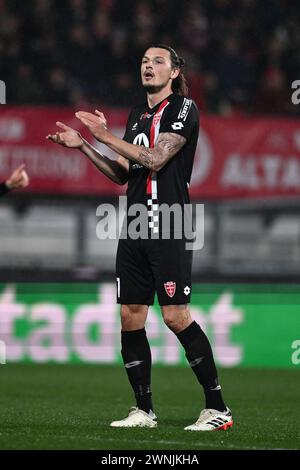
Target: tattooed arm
{"points": [[167, 145]]}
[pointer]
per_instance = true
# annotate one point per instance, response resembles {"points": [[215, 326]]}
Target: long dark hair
{"points": [[179, 84]]}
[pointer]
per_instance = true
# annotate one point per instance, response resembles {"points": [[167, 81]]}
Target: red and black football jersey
{"points": [[175, 114]]}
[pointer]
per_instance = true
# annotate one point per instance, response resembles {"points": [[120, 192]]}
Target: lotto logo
{"points": [[187, 290], [177, 125]]}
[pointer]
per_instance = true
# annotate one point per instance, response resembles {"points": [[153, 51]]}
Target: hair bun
{"points": [[181, 61]]}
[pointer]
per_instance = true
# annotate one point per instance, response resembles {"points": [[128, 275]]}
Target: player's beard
{"points": [[153, 89]]}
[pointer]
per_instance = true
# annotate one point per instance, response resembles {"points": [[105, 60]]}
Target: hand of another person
{"points": [[18, 179]]}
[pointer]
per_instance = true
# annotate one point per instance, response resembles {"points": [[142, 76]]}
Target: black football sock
{"points": [[136, 355], [199, 354]]}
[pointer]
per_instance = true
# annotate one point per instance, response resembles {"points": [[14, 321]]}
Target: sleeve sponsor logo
{"points": [[185, 109]]}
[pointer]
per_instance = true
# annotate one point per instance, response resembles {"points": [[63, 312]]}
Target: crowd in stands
{"points": [[242, 55]]}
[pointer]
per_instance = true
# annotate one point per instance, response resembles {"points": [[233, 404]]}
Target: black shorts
{"points": [[146, 266]]}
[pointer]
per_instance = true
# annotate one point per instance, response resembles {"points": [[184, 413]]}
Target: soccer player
{"points": [[156, 158], [18, 179]]}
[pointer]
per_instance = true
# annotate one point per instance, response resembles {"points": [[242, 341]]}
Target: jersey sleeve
{"points": [[181, 118], [126, 135]]}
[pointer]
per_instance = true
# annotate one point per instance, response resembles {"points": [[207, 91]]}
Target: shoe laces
{"points": [[205, 415], [208, 413]]}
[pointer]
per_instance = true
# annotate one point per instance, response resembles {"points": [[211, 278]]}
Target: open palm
{"points": [[69, 138]]}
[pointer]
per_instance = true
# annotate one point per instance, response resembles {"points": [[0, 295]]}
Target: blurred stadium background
{"points": [[57, 290]]}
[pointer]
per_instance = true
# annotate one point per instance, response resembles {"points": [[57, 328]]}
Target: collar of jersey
{"points": [[151, 110]]}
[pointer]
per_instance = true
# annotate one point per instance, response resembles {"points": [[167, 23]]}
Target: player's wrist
{"points": [[106, 137], [83, 144]]}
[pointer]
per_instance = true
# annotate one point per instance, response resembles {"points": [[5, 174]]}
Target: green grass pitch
{"points": [[71, 406]]}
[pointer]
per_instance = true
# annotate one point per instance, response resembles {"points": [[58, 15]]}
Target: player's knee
{"points": [[176, 319], [126, 314], [172, 321], [132, 317]]}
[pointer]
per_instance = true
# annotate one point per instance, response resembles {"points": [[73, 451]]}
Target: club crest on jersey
{"points": [[156, 119], [170, 288]]}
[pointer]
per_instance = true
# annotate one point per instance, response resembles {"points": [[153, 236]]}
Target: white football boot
{"points": [[212, 420], [136, 418]]}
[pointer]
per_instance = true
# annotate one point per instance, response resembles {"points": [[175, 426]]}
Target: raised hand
{"points": [[18, 179], [96, 123], [69, 138]]}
